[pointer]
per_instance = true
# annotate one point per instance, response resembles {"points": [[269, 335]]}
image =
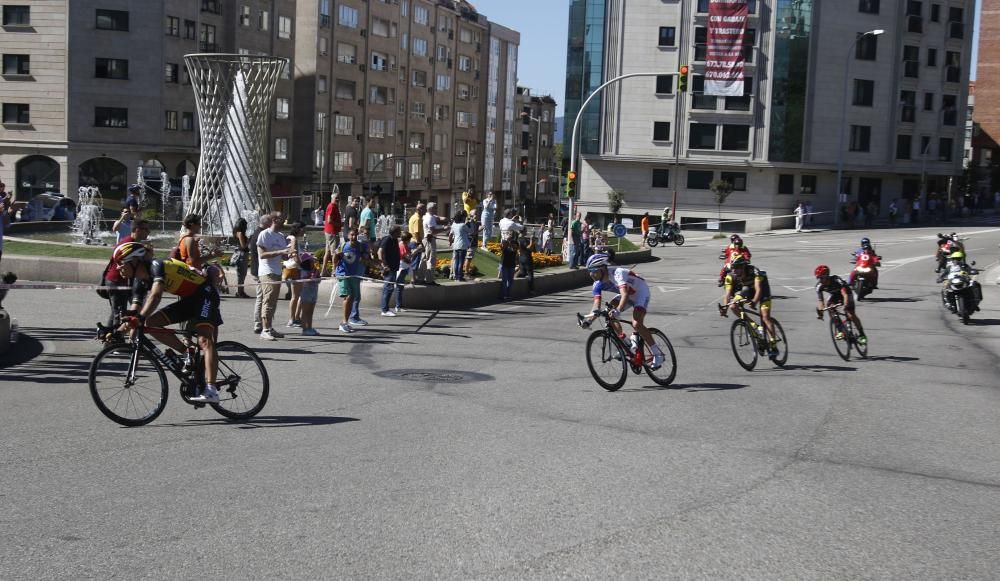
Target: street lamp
{"points": [[843, 122], [538, 143]]}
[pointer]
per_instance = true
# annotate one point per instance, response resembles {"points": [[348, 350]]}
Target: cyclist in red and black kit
{"points": [[735, 248], [840, 294]]}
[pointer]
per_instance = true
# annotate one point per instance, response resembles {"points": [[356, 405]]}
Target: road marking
{"points": [[671, 289], [798, 289]]}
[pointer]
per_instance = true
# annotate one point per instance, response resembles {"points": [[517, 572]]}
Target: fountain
{"points": [[185, 195], [90, 211], [164, 198]]}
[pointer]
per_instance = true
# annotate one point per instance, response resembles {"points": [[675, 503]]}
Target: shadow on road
{"points": [[265, 422], [892, 358], [26, 349], [691, 387], [819, 368], [893, 300], [983, 322]]}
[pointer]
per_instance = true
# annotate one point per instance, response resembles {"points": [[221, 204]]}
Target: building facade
{"points": [[778, 143], [537, 175], [387, 97]]}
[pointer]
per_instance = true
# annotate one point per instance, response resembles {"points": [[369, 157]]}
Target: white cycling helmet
{"points": [[597, 260]]}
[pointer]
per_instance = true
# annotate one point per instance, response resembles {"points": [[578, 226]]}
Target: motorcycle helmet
{"points": [[865, 242], [821, 271], [735, 239], [957, 255]]}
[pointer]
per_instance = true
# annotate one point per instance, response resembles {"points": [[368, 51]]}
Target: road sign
{"points": [[619, 230]]}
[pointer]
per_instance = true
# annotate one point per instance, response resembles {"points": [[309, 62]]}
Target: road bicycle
{"points": [[750, 339], [609, 354], [839, 323], [129, 386]]}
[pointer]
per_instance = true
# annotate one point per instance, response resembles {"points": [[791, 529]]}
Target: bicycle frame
{"points": [[141, 342]]}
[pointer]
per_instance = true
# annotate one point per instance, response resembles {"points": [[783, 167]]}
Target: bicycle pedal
{"points": [[198, 405]]}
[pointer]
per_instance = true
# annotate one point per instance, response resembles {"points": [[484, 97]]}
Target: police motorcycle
{"points": [[670, 233], [962, 293]]}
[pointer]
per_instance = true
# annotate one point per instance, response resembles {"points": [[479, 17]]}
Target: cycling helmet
{"points": [[597, 260], [738, 261], [128, 252], [135, 188], [866, 242], [957, 255], [821, 271], [735, 239]]}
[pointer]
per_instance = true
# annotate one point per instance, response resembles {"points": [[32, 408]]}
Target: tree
{"points": [[616, 199], [721, 189]]}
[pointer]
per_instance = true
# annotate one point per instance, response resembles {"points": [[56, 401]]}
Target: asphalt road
{"points": [[474, 444]]}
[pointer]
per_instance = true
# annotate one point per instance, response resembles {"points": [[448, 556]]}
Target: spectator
{"points": [[131, 200], [508, 225], [240, 256], [122, 226], [349, 266], [309, 272], [368, 219], [915, 212], [317, 216], [508, 260], [526, 267], [431, 229], [893, 211], [644, 229], [585, 238], [389, 256], [272, 248], [4, 218], [471, 227], [459, 245], [809, 215], [291, 272], [119, 299], [547, 240], [411, 253], [262, 224], [415, 228], [800, 215], [352, 215], [575, 242], [470, 204], [489, 212], [331, 231]]}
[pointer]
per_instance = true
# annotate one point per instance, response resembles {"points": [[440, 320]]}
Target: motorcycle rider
{"points": [[865, 257], [957, 266], [947, 244], [735, 248]]}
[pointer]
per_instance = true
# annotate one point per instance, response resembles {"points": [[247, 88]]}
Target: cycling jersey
{"points": [[635, 287], [834, 284], [734, 250], [177, 277], [751, 275]]}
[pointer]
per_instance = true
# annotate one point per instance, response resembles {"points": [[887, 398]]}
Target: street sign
{"points": [[619, 230]]}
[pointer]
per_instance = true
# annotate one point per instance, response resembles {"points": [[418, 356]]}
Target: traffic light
{"points": [[524, 164], [682, 79], [571, 184]]}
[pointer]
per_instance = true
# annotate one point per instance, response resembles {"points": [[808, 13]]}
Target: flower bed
{"points": [[538, 259]]}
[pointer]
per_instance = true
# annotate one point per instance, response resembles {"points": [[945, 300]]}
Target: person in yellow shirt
{"points": [[416, 228]]}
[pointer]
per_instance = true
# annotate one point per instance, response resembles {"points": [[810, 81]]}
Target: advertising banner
{"points": [[727, 26]]}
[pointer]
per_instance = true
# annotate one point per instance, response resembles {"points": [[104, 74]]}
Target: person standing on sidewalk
{"points": [[262, 224], [489, 212], [331, 230], [388, 255], [240, 256], [352, 214], [431, 229], [800, 214], [644, 228], [575, 242], [415, 227], [272, 247], [460, 243]]}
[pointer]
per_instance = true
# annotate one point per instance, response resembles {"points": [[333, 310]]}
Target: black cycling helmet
{"points": [[738, 261]]}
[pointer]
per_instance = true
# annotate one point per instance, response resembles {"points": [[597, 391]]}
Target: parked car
{"points": [[41, 207]]}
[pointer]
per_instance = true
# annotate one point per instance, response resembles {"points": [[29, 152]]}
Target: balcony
{"points": [[208, 47]]}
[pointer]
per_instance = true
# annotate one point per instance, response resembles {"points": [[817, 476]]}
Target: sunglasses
{"points": [[598, 269]]}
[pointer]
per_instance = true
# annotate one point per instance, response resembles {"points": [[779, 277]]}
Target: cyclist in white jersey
{"points": [[632, 292]]}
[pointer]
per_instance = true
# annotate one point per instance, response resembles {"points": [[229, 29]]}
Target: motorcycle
{"points": [[864, 275], [947, 243], [962, 293], [673, 234]]}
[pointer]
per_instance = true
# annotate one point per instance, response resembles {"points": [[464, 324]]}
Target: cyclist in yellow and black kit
{"points": [[198, 304], [745, 281]]}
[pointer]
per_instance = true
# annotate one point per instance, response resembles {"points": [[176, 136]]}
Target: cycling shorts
{"points": [[200, 307], [838, 299], [747, 293], [639, 300]]}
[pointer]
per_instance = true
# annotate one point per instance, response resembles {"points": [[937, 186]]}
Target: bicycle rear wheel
{"points": [[852, 334], [242, 381], [606, 360], [843, 345], [781, 345], [129, 402], [665, 373], [744, 342]]}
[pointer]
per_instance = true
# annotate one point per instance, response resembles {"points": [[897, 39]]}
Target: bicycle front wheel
{"points": [[129, 401], [781, 344], [842, 345], [665, 373], [744, 342], [242, 381], [606, 360]]}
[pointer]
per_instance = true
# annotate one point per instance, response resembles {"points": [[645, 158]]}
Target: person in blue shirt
{"points": [[349, 265]]}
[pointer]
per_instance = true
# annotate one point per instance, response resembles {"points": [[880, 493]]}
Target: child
{"points": [[406, 266], [508, 260], [309, 294], [547, 240]]}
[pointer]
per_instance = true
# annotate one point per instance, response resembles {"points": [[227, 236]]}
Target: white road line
{"points": [[671, 289]]}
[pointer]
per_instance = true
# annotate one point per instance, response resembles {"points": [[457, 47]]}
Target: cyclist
{"points": [[735, 248], [747, 282], [840, 294], [632, 292], [198, 304]]}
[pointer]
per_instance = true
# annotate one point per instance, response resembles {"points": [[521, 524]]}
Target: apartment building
{"points": [[778, 143], [537, 179]]}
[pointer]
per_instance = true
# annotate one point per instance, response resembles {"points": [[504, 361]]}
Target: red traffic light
{"points": [[571, 175], [684, 69]]}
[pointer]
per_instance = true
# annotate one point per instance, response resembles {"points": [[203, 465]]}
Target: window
{"points": [[379, 62], [345, 90], [324, 46], [928, 101], [16, 64], [953, 62], [955, 26], [464, 63], [932, 57], [116, 117], [661, 131], [908, 106], [465, 35], [16, 15], [346, 53], [416, 140], [324, 13], [320, 158], [861, 136], [699, 100], [420, 14], [172, 26], [737, 179], [864, 93], [945, 147], [925, 145], [935, 12], [400, 166], [436, 171], [441, 113], [699, 180], [868, 6], [375, 161], [380, 27], [661, 178], [419, 46], [284, 27], [741, 103], [212, 6], [376, 128], [668, 36], [281, 108], [736, 137], [16, 113], [809, 184], [867, 47], [463, 92], [701, 136], [264, 20], [415, 170], [440, 141], [442, 53], [110, 68], [112, 20], [187, 121], [189, 29], [378, 95], [911, 61], [347, 16], [419, 78], [700, 43], [322, 85], [949, 110], [443, 83], [171, 71], [281, 148], [343, 161], [170, 123], [245, 16], [664, 84], [418, 110], [904, 146], [343, 125], [786, 184], [463, 119], [206, 38]]}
